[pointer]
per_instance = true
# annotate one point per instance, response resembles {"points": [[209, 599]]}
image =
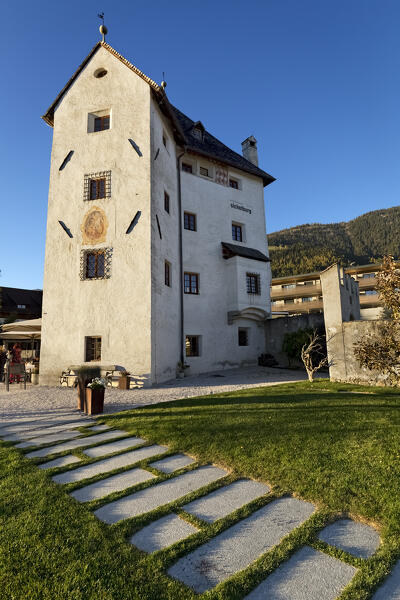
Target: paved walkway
{"points": [[19, 402], [205, 493]]}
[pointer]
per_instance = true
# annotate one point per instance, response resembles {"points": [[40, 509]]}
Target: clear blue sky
{"points": [[316, 81]]}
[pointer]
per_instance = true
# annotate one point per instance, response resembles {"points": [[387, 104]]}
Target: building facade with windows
{"points": [[156, 250], [300, 294]]}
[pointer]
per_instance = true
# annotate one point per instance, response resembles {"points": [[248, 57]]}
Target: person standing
{"points": [[16, 359], [3, 360]]}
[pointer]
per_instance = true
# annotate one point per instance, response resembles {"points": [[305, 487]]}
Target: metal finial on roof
{"points": [[163, 83], [103, 29]]}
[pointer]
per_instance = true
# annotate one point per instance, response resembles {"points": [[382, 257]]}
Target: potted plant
{"points": [[124, 381], [84, 375], [182, 370], [35, 376], [95, 396]]}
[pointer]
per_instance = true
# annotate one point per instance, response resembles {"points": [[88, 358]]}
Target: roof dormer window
{"points": [[198, 130]]}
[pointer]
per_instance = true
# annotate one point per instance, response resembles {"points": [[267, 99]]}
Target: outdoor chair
{"points": [[18, 371]]}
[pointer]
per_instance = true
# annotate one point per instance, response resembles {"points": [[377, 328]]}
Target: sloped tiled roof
{"points": [[210, 146], [230, 250], [10, 298]]}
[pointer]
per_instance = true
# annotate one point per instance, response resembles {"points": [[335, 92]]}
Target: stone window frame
{"points": [[100, 175], [92, 348], [253, 278], [107, 263]]}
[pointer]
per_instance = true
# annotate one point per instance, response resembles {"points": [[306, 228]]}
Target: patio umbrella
{"points": [[32, 325]]}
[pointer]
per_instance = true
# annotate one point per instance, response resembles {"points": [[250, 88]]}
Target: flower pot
{"points": [[35, 378], [94, 401], [180, 374], [124, 382]]}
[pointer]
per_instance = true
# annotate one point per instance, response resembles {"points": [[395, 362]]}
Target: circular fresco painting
{"points": [[94, 226]]}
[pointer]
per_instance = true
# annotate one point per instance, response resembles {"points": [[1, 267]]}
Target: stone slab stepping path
{"points": [[173, 463], [158, 495], [114, 447], [80, 443], [104, 466], [226, 500], [162, 533], [355, 538], [32, 425], [238, 546], [60, 462], [48, 439], [115, 483], [390, 590], [307, 575]]}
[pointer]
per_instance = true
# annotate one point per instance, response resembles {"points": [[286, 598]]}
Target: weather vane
{"points": [[103, 29]]}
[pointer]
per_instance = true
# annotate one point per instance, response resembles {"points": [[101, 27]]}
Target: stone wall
{"points": [[345, 367], [275, 330]]}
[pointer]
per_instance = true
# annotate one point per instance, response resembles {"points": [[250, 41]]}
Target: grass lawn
{"points": [[335, 445]]}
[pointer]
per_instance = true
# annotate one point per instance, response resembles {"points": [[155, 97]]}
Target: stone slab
{"points": [[307, 575], [79, 443], [99, 428], [226, 500], [109, 464], [355, 538], [162, 533], [114, 447], [173, 463], [60, 462], [31, 425], [238, 546], [33, 433], [48, 439], [115, 483], [158, 495], [390, 590]]}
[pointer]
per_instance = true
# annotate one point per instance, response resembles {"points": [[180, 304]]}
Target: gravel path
{"points": [[38, 399]]}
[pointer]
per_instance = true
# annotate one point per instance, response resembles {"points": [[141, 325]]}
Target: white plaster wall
{"points": [[165, 300], [118, 309], [220, 280]]}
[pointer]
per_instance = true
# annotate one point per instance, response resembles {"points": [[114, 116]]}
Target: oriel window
{"points": [[191, 283], [102, 123], [253, 283]]}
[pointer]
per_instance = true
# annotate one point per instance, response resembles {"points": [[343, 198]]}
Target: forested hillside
{"points": [[314, 247]]}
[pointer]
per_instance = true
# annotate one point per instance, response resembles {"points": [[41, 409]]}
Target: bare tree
{"points": [[313, 355]]}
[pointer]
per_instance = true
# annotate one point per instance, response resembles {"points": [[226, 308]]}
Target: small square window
{"points": [[253, 283], [187, 168], [237, 233], [93, 349], [233, 183], [102, 123], [191, 283], [167, 274], [243, 336], [189, 221], [96, 264], [166, 202], [97, 188], [21, 305], [97, 185], [192, 345], [204, 172]]}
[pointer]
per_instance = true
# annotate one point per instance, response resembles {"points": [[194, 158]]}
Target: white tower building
{"points": [[156, 249]]}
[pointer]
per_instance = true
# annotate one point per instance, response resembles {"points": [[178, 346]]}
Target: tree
{"points": [[313, 355], [380, 350]]}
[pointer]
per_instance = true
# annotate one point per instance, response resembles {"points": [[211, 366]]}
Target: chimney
{"points": [[249, 150]]}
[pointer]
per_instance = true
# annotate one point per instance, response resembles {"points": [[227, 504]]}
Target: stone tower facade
{"points": [[156, 251]]}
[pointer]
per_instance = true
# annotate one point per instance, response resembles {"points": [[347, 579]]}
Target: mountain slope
{"points": [[315, 246]]}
